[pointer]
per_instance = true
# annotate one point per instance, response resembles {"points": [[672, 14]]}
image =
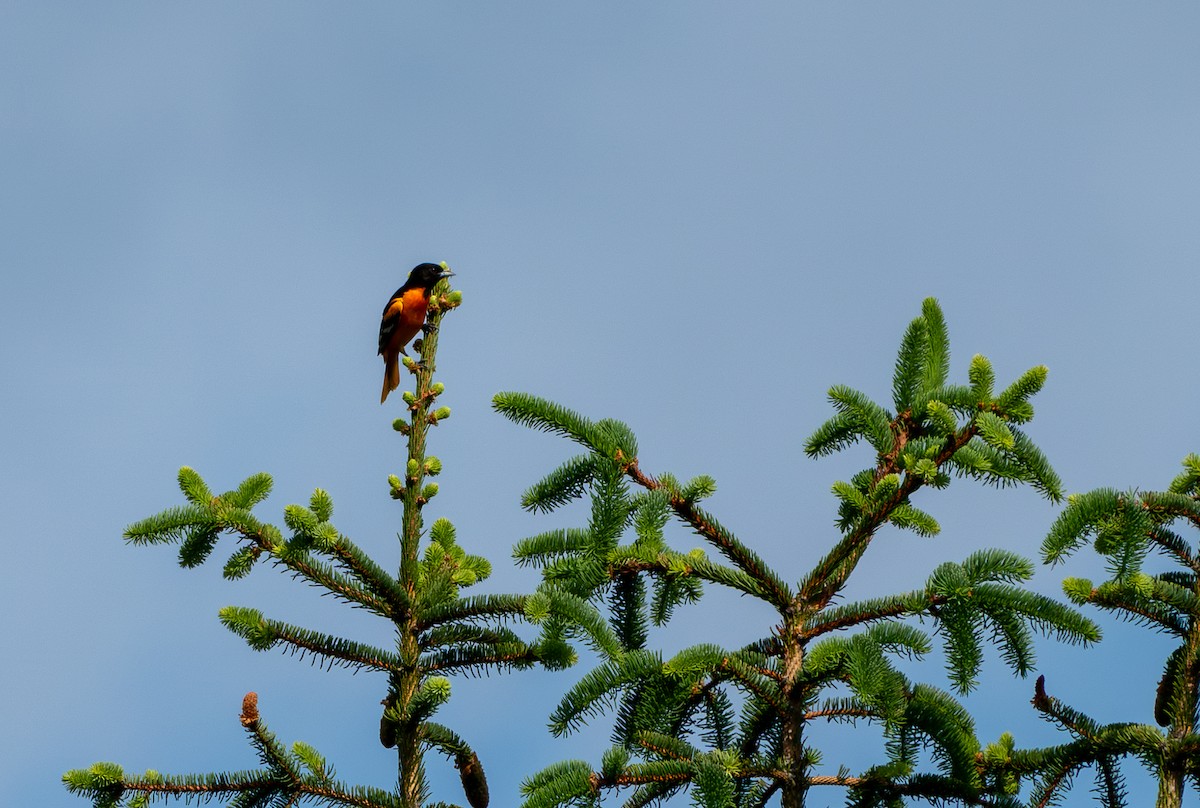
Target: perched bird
{"points": [[403, 317]]}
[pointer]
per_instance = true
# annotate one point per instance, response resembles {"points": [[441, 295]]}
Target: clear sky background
{"points": [[695, 217]]}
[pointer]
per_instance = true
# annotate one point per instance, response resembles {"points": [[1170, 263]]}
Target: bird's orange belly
{"points": [[412, 317]]}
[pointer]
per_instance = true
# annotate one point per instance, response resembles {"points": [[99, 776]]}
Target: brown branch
{"points": [[700, 522], [659, 750], [826, 579], [1045, 703], [895, 610], [843, 713], [200, 788], [330, 582], [1053, 786], [396, 599], [833, 780], [641, 779], [754, 687]]}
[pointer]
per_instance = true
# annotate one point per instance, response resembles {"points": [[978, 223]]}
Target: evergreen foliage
{"points": [[731, 725], [439, 631], [721, 727], [1127, 529]]}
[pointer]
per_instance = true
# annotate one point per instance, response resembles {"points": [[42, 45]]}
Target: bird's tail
{"points": [[391, 376]]}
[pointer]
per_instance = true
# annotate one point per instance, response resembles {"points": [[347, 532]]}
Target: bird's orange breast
{"points": [[408, 312], [414, 303]]}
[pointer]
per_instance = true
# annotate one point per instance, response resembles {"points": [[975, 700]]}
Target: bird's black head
{"points": [[424, 276]]}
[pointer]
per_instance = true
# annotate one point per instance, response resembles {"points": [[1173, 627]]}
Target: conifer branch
{"points": [[312, 531], [598, 689], [262, 634], [840, 713], [197, 526], [274, 756], [1101, 739], [373, 576], [718, 667], [754, 681], [282, 782], [481, 657], [566, 483], [666, 747], [671, 590], [475, 607], [936, 429], [315, 572], [1123, 528], [470, 770], [1173, 545], [627, 598], [831, 572], [545, 547], [774, 589], [1132, 603], [413, 492], [672, 567], [455, 633], [884, 790], [436, 630], [715, 573], [871, 611]]}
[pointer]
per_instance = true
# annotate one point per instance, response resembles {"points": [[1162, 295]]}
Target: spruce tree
{"points": [[439, 632], [733, 725], [1127, 528]]}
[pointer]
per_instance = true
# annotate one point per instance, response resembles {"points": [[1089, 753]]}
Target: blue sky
{"points": [[695, 217]]}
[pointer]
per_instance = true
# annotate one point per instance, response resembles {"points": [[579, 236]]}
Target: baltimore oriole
{"points": [[403, 317]]}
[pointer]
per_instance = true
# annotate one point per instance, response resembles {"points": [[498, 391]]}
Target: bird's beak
{"points": [[446, 273]]}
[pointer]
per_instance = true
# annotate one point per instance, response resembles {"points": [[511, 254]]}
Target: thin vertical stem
{"points": [[408, 745]]}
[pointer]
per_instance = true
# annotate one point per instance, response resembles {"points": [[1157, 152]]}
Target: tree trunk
{"points": [[795, 789], [1170, 789]]}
